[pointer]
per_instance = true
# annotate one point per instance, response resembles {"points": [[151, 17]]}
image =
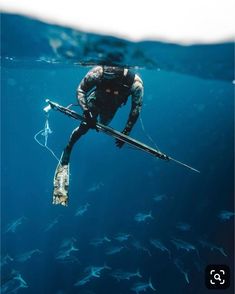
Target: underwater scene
{"points": [[134, 223]]}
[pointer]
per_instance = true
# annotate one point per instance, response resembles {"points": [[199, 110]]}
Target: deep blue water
{"points": [[190, 116]]}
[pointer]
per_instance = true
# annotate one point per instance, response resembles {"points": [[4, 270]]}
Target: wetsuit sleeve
{"points": [[87, 84], [137, 92]]}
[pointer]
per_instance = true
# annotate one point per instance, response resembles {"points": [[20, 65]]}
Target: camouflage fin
{"points": [[61, 185]]}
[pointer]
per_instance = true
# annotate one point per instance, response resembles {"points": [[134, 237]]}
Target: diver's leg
{"points": [[61, 178], [78, 132], [75, 136]]}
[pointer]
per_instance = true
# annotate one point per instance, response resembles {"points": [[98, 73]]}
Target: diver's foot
{"points": [[61, 185]]}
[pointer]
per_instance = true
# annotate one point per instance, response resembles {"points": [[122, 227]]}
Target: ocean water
{"points": [[188, 111]]}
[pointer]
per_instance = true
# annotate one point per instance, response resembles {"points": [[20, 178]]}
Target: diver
{"points": [[100, 94]]}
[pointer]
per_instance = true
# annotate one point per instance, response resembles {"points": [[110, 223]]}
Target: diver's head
{"points": [[112, 72]]}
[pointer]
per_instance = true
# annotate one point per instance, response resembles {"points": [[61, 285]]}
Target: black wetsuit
{"points": [[102, 97]]}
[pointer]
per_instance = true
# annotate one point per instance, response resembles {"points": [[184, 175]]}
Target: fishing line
{"points": [[147, 135], [45, 132]]}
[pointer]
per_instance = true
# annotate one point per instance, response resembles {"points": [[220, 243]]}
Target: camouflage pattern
{"points": [[86, 94], [61, 185]]}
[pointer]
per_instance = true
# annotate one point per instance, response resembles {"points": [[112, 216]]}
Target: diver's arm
{"points": [[137, 92], [87, 84]]}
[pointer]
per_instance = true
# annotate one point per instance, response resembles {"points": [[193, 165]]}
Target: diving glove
{"points": [[90, 119], [164, 156]]}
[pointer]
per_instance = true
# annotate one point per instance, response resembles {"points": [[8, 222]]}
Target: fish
{"points": [[91, 273], [82, 209], [124, 275], [225, 215], [13, 225], [5, 260], [64, 255], [212, 247], [158, 198], [183, 226], [14, 283], [95, 187], [142, 217], [180, 244], [114, 250], [52, 224], [95, 271], [159, 245], [83, 281], [140, 247], [180, 265], [27, 255], [99, 241], [142, 287], [68, 242], [121, 237]]}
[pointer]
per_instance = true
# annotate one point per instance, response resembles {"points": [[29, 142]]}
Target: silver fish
{"points": [[142, 287], [114, 250], [27, 255], [159, 245], [82, 209], [212, 247], [142, 217], [180, 265], [99, 241], [180, 244], [123, 275], [121, 237], [13, 225], [225, 215]]}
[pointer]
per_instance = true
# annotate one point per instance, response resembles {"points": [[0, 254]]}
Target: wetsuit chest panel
{"points": [[115, 91]]}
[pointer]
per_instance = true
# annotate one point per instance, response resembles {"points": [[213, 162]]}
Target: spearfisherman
{"points": [[100, 94]]}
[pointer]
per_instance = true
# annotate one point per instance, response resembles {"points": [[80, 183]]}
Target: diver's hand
{"points": [[120, 143], [90, 120], [164, 157]]}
